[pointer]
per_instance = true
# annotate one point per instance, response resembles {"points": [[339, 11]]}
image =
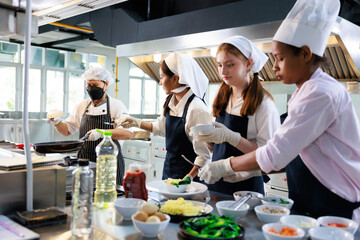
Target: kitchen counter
{"points": [[107, 224]]}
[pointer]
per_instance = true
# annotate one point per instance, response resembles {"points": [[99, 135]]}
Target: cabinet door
{"points": [[158, 164]]}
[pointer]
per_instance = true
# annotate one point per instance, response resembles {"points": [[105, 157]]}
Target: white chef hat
{"points": [[249, 50], [309, 23], [189, 73], [98, 73]]}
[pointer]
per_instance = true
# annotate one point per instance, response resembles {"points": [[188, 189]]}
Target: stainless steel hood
{"points": [[343, 50]]}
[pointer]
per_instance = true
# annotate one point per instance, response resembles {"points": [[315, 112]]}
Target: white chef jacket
{"points": [[197, 113], [261, 126], [117, 110], [323, 127]]}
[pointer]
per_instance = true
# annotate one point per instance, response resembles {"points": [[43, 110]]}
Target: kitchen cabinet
{"points": [[157, 168]]}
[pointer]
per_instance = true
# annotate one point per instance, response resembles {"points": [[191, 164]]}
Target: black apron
{"points": [[310, 196], [177, 144], [224, 150], [89, 122]]}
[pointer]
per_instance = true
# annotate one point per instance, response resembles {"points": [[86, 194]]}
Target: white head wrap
{"points": [[189, 73], [249, 50], [309, 23], [98, 73]]}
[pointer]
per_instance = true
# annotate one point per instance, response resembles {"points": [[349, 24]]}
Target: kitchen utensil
{"points": [[204, 211], [60, 146], [190, 162], [236, 205]]}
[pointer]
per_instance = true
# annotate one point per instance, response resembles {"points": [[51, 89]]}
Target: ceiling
{"points": [[76, 13]]}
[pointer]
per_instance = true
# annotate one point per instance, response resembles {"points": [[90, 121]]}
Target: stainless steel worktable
{"points": [[107, 224]]}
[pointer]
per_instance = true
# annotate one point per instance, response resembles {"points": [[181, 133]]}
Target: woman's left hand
{"points": [[93, 135], [219, 135]]}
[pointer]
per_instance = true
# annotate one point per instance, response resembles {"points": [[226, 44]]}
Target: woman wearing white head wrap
{"points": [[246, 116], [185, 83], [322, 125], [98, 112]]}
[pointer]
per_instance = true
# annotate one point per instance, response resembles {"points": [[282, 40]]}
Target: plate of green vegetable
{"points": [[211, 227]]}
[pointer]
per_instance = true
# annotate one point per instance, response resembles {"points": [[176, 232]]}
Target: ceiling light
{"points": [[213, 51], [157, 58]]}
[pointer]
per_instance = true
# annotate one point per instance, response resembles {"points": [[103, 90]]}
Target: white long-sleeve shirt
{"points": [[117, 110], [197, 113], [323, 127]]}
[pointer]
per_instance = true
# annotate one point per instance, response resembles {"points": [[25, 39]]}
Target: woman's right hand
{"points": [[129, 122]]}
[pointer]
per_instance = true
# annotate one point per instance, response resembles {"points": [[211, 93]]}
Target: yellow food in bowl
{"points": [[172, 181], [180, 207]]}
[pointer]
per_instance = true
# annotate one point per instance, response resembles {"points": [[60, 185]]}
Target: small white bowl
{"points": [[253, 201], [352, 226], [176, 189], [201, 128], [326, 233], [277, 227], [224, 210], [270, 217], [150, 230], [277, 200], [128, 206], [303, 222]]}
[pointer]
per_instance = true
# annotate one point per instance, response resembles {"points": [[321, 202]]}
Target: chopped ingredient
{"points": [[180, 207], [178, 182], [339, 225], [305, 224], [272, 210], [212, 226], [285, 231]]}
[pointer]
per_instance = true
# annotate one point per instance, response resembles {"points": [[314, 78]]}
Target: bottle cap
{"points": [[108, 133], [83, 162]]}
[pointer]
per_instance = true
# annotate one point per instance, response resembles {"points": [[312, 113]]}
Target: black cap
{"points": [[83, 162]]}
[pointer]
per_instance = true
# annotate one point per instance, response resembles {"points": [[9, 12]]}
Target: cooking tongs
{"points": [[236, 205]]}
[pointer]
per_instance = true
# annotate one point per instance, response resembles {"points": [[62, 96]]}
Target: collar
{"points": [[181, 104]]}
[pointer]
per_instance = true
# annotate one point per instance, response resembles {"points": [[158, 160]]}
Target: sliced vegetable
{"points": [[285, 231], [212, 226]]}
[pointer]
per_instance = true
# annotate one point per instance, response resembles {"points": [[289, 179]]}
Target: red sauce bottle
{"points": [[134, 183]]}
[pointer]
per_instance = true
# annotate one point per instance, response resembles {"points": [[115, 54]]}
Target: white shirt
{"points": [[117, 110], [323, 127], [262, 124], [197, 113]]}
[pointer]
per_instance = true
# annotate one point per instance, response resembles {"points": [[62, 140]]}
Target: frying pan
{"points": [[60, 146]]}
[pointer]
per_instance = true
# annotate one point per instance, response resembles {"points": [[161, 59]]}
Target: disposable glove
{"points": [[53, 117], [219, 135], [94, 135], [241, 176], [129, 122], [53, 121], [212, 172]]}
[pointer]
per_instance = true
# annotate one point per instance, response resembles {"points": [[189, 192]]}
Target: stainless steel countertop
{"points": [[108, 225]]}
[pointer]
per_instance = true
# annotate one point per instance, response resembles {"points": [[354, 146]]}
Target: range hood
{"points": [[342, 51]]}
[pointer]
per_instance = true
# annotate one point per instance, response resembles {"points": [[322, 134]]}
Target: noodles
{"points": [[180, 207]]}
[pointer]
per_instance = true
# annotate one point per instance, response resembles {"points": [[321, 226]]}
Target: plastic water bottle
{"points": [[106, 170], [81, 204]]}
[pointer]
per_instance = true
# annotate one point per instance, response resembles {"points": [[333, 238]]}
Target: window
{"points": [[34, 96], [211, 94], [77, 61], [8, 88], [76, 90], [55, 58], [9, 52], [135, 96], [54, 90], [161, 99], [96, 60], [150, 96], [36, 55]]}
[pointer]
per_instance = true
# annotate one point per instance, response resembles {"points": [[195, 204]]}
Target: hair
{"points": [[317, 60], [253, 94]]}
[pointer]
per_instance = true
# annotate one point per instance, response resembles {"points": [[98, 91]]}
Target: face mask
{"points": [[95, 93]]}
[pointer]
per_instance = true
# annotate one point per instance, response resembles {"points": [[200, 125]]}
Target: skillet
{"points": [[59, 146]]}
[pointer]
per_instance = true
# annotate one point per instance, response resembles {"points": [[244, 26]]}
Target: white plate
{"points": [[193, 189]]}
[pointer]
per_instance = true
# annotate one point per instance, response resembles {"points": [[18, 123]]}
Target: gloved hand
{"points": [[241, 176], [212, 172], [94, 134], [53, 121], [129, 122], [53, 117], [220, 134]]}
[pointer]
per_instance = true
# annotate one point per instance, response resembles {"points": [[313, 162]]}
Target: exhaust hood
{"points": [[342, 51]]}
